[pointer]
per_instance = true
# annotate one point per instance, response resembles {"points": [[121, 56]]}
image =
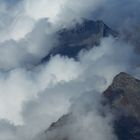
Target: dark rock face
{"points": [[123, 95], [81, 36], [127, 128]]}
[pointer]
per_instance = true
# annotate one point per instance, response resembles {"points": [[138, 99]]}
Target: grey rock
{"points": [[123, 96]]}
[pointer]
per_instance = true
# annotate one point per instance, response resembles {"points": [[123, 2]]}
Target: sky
{"points": [[33, 95]]}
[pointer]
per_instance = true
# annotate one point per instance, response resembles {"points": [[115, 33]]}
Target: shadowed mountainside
{"points": [[80, 36]]}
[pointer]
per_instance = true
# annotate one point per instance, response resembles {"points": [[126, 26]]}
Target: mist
{"points": [[33, 95]]}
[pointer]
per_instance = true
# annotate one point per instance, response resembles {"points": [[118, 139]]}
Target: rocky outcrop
{"points": [[123, 96], [124, 93]]}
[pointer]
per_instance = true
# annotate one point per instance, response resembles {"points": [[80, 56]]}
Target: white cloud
{"points": [[43, 8], [35, 96], [20, 85], [45, 93]]}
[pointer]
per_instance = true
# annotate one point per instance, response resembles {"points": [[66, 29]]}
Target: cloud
{"points": [[43, 9], [24, 14], [23, 85], [45, 93], [32, 96], [60, 9], [107, 10], [29, 27], [85, 121], [30, 50]]}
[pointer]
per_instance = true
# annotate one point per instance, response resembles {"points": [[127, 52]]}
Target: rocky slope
{"points": [[123, 97]]}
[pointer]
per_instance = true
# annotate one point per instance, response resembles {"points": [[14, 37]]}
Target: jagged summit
{"points": [[123, 96], [123, 79], [85, 30], [83, 35], [125, 92]]}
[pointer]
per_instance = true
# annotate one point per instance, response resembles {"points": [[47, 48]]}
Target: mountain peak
{"points": [[123, 96], [124, 79], [80, 36], [124, 92]]}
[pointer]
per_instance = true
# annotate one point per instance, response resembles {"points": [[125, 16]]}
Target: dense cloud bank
{"points": [[33, 95]]}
